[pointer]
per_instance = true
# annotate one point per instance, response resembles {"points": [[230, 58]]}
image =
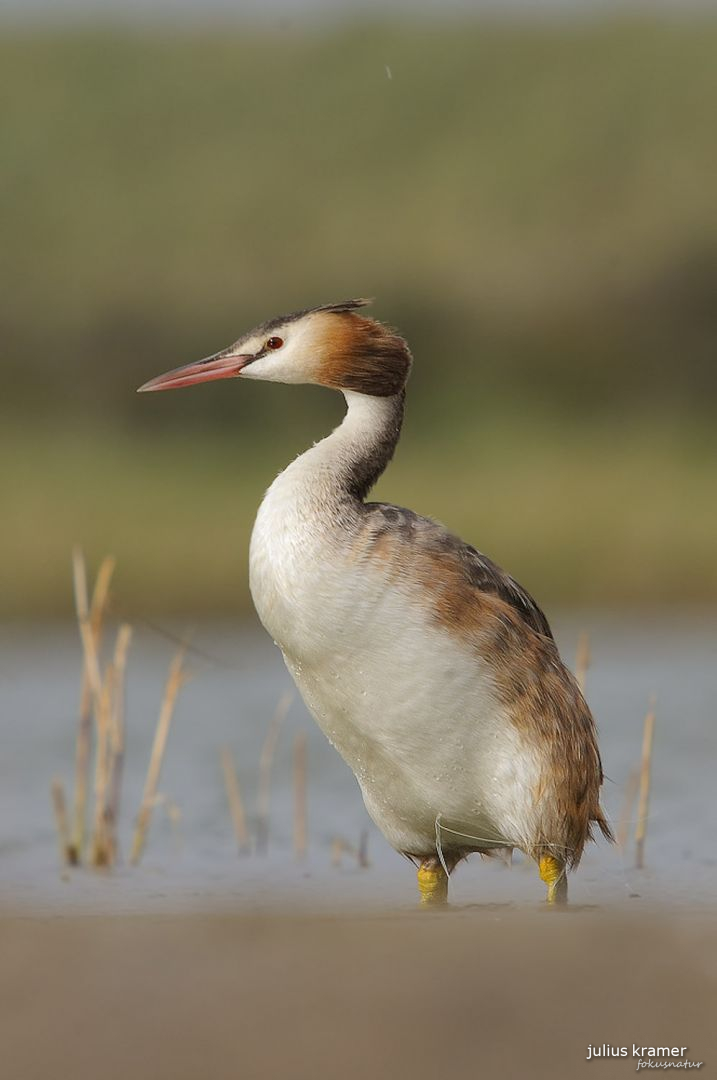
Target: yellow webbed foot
{"points": [[552, 871], [432, 882]]}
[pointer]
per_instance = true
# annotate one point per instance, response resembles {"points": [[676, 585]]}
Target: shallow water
{"points": [[238, 677]]}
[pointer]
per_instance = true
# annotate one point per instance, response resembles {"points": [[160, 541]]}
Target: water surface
{"points": [[238, 676]]}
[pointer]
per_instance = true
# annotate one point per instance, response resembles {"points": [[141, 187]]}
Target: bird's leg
{"points": [[432, 882], [552, 871]]}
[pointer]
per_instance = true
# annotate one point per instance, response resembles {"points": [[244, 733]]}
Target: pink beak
{"points": [[222, 365]]}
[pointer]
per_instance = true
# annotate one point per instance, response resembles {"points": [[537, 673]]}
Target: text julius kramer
{"points": [[651, 1057]]}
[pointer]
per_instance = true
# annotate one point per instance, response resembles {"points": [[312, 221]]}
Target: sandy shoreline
{"points": [[472, 992]]}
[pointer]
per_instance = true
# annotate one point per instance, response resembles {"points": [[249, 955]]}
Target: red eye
{"points": [[274, 343]]}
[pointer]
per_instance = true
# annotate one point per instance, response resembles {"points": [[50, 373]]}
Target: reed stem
{"points": [[265, 762], [175, 679], [67, 852], [337, 849], [100, 847], [95, 616], [236, 803], [117, 740], [362, 851], [300, 811], [645, 779]]}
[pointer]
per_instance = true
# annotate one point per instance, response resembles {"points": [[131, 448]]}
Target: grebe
{"points": [[431, 671]]}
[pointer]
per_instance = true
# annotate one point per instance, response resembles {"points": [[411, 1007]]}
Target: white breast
{"points": [[412, 711]]}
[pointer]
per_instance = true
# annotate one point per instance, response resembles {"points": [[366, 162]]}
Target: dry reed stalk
{"points": [[337, 849], [362, 850], [300, 814], [645, 773], [236, 803], [95, 615], [582, 660], [175, 679], [100, 855], [174, 816], [265, 762], [91, 656], [67, 852], [341, 847], [117, 744], [175, 820], [623, 829]]}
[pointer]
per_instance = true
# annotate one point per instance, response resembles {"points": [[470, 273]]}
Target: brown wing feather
{"points": [[483, 606], [480, 572]]}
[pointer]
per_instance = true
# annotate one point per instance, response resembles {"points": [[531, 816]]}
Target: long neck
{"points": [[353, 456]]}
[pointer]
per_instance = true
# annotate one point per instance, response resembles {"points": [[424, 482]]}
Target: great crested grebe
{"points": [[432, 672]]}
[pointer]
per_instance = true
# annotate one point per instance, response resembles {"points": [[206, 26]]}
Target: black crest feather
{"points": [[338, 308]]}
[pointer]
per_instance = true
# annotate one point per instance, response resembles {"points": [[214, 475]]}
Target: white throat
{"points": [[346, 464], [309, 513], [366, 436]]}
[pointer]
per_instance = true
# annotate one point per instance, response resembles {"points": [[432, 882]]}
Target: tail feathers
{"points": [[602, 824]]}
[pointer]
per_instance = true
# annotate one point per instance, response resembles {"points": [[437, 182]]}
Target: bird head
{"points": [[330, 346]]}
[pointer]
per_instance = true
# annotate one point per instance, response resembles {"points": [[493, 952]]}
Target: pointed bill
{"points": [[221, 365]]}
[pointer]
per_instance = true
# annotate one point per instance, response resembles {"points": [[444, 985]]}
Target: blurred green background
{"points": [[532, 203]]}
